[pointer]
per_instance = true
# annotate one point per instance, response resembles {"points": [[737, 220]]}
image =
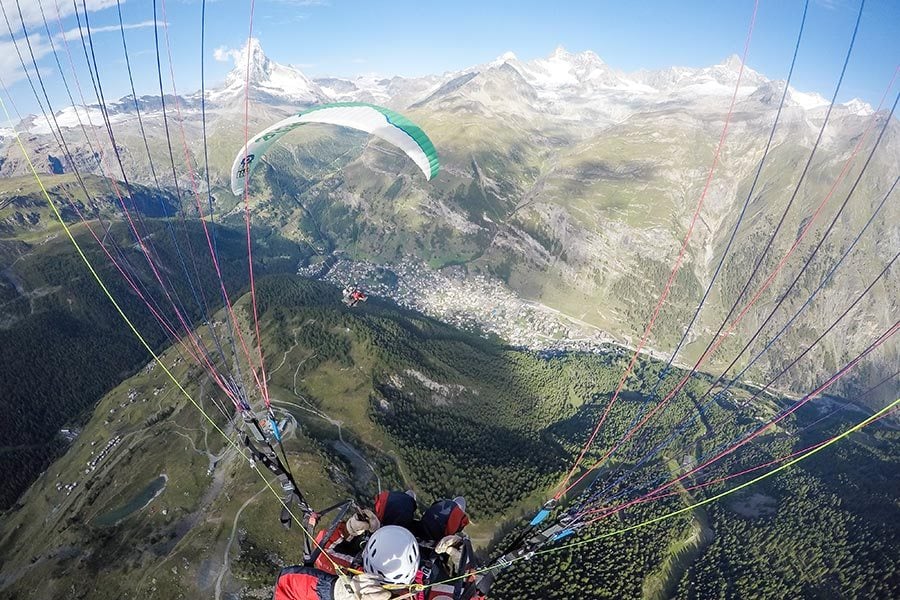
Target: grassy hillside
{"points": [[63, 346]]}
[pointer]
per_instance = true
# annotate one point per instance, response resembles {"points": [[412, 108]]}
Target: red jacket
{"points": [[304, 583], [392, 508], [336, 550], [309, 583]]}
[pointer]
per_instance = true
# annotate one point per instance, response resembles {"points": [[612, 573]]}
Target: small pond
{"points": [[139, 501]]}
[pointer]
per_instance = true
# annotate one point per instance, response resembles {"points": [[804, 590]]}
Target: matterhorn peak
{"points": [[251, 62], [254, 49], [267, 79]]}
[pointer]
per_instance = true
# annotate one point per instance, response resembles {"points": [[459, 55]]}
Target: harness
{"points": [[534, 537], [261, 450]]}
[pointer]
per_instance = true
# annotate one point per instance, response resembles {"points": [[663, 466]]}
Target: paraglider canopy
{"points": [[377, 120]]}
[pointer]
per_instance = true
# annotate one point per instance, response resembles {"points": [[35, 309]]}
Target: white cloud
{"points": [[223, 54], [75, 35], [830, 4], [10, 67], [31, 10]]}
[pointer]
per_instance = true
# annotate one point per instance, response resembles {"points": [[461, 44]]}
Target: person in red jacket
{"points": [[392, 556], [353, 296]]}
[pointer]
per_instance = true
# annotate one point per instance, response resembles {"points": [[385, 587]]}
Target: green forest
{"points": [[67, 346], [826, 529]]}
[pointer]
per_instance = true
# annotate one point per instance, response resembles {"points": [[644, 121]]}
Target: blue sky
{"points": [[351, 37]]}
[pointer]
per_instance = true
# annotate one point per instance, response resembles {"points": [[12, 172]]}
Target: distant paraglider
{"points": [[376, 120], [353, 296]]}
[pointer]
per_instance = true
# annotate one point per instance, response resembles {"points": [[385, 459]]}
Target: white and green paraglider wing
{"points": [[376, 120]]}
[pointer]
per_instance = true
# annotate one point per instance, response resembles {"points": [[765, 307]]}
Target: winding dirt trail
{"points": [[234, 525]]}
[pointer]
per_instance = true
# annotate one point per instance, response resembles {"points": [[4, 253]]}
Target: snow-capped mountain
{"points": [[571, 87], [268, 80], [716, 80], [572, 73], [395, 92], [858, 107], [805, 101]]}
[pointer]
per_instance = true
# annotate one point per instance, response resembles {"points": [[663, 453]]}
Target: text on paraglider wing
{"points": [[245, 165], [279, 131]]}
